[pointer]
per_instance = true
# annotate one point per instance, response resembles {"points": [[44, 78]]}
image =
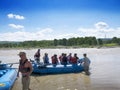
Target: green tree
{"points": [[114, 40], [99, 42], [55, 42]]}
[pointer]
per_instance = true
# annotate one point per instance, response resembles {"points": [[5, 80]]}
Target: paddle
{"points": [[12, 63], [7, 65]]}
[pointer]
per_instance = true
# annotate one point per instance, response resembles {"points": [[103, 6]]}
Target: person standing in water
{"points": [[25, 67], [86, 64]]}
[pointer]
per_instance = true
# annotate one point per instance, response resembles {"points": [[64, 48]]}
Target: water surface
{"points": [[105, 64]]}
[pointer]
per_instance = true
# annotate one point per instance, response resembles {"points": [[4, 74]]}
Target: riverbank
{"points": [[62, 47]]}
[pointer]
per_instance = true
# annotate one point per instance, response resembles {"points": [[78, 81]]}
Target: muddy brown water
{"points": [[104, 68]]}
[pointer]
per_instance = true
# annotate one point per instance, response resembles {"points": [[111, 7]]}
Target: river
{"points": [[104, 68]]}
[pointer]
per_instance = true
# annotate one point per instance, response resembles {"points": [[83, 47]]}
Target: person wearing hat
{"points": [[25, 67]]}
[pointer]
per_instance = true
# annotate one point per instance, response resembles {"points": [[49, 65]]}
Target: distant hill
{"points": [[14, 42], [105, 39]]}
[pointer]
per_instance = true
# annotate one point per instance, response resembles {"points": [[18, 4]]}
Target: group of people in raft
{"points": [[64, 59], [25, 66]]}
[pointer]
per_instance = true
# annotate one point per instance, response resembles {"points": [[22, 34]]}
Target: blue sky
{"points": [[22, 20]]}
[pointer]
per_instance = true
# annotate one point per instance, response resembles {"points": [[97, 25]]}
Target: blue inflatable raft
{"points": [[7, 77], [56, 69]]}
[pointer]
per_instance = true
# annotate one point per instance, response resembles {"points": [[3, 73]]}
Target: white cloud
{"points": [[87, 32], [101, 25], [10, 16], [100, 30], [14, 16], [49, 34], [43, 34], [46, 30], [67, 35], [16, 26]]}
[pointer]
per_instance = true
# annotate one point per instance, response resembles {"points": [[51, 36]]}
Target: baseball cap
{"points": [[22, 53]]}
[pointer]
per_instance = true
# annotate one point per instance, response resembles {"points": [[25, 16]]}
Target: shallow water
{"points": [[105, 64]]}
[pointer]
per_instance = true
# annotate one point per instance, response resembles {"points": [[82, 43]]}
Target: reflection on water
{"points": [[104, 70]]}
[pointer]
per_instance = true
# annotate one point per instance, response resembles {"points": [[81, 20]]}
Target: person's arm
{"points": [[89, 60], [43, 58], [18, 71], [34, 55], [31, 69], [18, 68]]}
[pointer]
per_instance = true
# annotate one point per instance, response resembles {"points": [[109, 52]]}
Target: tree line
{"points": [[79, 42]]}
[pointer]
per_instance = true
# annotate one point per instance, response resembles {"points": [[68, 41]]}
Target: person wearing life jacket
{"points": [[37, 56], [54, 59], [64, 59], [25, 67], [74, 59], [60, 58], [69, 58]]}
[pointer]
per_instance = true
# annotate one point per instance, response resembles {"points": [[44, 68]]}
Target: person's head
{"points": [[70, 54], [22, 55], [75, 54], [84, 54], [64, 54], [55, 55], [38, 50], [46, 54]]}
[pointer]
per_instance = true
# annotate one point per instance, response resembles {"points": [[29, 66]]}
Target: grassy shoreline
{"points": [[65, 47]]}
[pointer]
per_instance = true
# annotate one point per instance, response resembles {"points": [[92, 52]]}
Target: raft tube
{"points": [[7, 77]]}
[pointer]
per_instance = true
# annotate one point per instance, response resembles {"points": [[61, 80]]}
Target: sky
{"points": [[23, 20]]}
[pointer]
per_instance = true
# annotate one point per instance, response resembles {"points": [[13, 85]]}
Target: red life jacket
{"points": [[74, 60], [60, 58], [54, 60]]}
